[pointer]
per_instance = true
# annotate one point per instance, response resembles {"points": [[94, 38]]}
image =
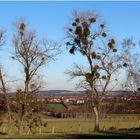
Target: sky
{"points": [[50, 19]]}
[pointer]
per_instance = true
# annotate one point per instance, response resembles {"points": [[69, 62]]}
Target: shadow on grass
{"points": [[117, 134], [2, 133], [96, 136], [100, 135]]}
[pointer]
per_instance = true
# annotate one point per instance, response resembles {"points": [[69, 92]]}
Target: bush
{"points": [[112, 128]]}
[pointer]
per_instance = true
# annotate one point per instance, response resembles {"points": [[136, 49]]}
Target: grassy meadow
{"points": [[57, 106], [72, 128]]}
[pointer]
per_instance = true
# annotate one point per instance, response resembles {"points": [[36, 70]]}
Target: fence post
{"points": [[39, 130], [53, 130], [3, 129]]}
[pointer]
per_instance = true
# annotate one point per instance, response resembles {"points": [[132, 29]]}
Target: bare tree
{"points": [[130, 56], [88, 36], [3, 85], [32, 54]]}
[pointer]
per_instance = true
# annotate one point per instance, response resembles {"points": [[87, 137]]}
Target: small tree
{"points": [[88, 36], [32, 54]]}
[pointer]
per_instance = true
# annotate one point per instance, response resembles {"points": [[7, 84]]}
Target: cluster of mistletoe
{"points": [[83, 35]]}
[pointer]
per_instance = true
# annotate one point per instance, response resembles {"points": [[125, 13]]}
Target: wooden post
{"points": [[53, 128], [104, 128], [39, 130], [3, 129], [28, 132]]}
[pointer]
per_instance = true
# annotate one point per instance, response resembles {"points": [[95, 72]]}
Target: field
{"points": [[74, 128], [57, 106]]}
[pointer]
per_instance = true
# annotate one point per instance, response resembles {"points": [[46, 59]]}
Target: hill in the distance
{"points": [[61, 93], [73, 93]]}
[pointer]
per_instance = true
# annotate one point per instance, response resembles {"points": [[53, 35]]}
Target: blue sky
{"points": [[49, 20]]}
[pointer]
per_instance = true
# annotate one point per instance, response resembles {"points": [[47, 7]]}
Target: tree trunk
{"points": [[95, 109], [26, 92], [23, 105], [21, 114], [7, 101], [96, 113]]}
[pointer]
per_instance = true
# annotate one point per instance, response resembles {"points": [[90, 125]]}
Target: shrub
{"points": [[112, 128]]}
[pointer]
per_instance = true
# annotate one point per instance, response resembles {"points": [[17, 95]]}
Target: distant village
{"points": [[77, 105]]}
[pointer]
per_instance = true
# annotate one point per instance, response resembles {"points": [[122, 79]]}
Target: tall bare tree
{"points": [[32, 53], [3, 87], [88, 36]]}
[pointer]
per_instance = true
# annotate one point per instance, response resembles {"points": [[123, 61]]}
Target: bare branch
{"points": [[2, 38]]}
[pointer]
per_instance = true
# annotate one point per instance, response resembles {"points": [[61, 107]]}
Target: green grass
{"points": [[86, 126], [123, 115], [57, 106], [99, 135], [65, 128], [70, 126]]}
